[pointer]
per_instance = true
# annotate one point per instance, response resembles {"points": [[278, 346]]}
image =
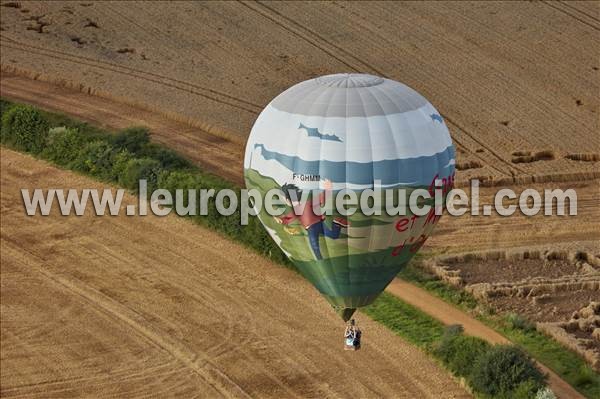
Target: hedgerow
{"points": [[460, 352]]}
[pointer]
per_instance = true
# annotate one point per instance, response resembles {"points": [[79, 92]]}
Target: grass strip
{"points": [[410, 323]]}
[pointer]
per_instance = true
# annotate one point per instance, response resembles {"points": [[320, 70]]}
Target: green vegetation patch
{"points": [[405, 320]]}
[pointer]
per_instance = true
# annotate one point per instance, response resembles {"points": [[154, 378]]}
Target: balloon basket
{"points": [[351, 347]]}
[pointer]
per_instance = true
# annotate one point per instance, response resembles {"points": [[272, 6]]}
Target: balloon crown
{"points": [[349, 80]]}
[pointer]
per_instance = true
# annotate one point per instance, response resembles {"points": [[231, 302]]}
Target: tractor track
{"points": [[295, 32], [202, 367], [136, 73], [320, 38], [566, 4], [372, 68], [556, 7]]}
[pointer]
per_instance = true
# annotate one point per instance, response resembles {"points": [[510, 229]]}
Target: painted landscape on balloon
{"points": [[378, 234], [357, 264]]}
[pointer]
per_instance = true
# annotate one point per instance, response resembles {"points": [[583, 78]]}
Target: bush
{"points": [[136, 140], [460, 352], [502, 369], [181, 180], [63, 145], [5, 106], [467, 351], [168, 158], [519, 322], [525, 390], [96, 158], [25, 128], [119, 161], [137, 169], [132, 139]]}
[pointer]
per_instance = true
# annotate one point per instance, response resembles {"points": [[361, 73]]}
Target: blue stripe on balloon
{"points": [[416, 171]]}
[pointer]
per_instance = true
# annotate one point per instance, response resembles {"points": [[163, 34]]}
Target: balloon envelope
{"points": [[348, 131]]}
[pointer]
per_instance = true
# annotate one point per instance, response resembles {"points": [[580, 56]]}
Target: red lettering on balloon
{"points": [[401, 224], [396, 251]]}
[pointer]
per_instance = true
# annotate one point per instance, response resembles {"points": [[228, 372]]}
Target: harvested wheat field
{"points": [[224, 158], [142, 306], [526, 106]]}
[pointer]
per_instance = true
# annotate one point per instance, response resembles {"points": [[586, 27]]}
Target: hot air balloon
{"points": [[348, 131]]}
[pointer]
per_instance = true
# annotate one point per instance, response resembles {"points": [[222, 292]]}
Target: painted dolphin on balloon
{"points": [[436, 117], [314, 132]]}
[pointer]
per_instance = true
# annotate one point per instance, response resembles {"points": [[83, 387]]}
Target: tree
{"points": [[96, 158], [63, 145], [132, 139], [25, 128], [140, 169], [502, 369]]}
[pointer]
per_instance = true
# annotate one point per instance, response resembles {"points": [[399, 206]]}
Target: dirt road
{"points": [[142, 306], [449, 314]]}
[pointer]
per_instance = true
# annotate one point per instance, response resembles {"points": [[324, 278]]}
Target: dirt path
{"points": [[139, 306], [449, 314]]}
